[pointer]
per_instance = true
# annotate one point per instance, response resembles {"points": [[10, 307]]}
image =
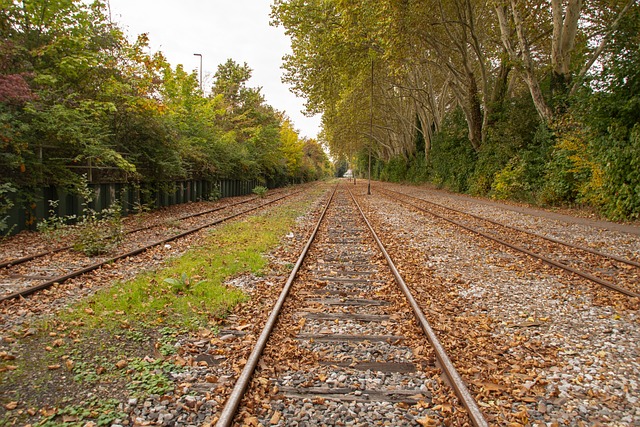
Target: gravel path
{"points": [[591, 374]]}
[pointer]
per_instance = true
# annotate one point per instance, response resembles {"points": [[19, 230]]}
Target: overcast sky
{"points": [[219, 30]]}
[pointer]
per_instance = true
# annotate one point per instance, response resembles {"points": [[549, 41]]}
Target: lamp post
{"points": [[370, 129], [200, 55]]}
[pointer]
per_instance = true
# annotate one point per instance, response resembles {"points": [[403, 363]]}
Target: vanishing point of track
{"points": [[346, 340]]}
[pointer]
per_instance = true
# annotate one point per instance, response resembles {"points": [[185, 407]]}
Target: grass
{"points": [[189, 291], [128, 320]]}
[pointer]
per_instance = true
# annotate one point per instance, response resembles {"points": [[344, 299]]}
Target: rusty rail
{"points": [[457, 383], [95, 266], [542, 258], [230, 407]]}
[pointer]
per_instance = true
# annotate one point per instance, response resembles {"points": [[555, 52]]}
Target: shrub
{"points": [[260, 191], [5, 206], [510, 183], [621, 178], [97, 234], [452, 159]]}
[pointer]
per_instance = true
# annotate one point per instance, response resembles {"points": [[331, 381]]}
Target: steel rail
{"points": [[521, 230], [17, 261], [95, 266], [449, 370], [231, 406], [542, 258]]}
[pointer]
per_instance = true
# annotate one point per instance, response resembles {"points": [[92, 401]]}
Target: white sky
{"points": [[219, 30]]}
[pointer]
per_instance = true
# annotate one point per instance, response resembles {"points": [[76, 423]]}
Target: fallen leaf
{"points": [[275, 419], [427, 421], [251, 421], [121, 364], [53, 367], [11, 406]]}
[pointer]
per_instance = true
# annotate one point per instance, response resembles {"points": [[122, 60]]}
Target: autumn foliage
{"points": [[77, 96]]}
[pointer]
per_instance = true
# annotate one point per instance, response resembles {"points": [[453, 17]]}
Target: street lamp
{"points": [[370, 129], [200, 55]]}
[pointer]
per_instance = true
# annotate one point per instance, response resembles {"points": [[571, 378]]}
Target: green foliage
{"points": [[97, 234], [150, 377], [196, 293], [215, 193], [621, 181], [54, 226], [260, 191], [93, 410], [340, 166], [452, 158], [510, 182], [76, 97], [182, 284], [394, 170], [5, 206]]}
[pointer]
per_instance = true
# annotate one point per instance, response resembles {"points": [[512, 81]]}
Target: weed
{"points": [[182, 284], [172, 223], [100, 412], [99, 233], [260, 190], [54, 226], [136, 336], [215, 193], [150, 377]]}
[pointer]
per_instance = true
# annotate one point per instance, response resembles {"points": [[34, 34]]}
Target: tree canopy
{"points": [[505, 98], [77, 97]]}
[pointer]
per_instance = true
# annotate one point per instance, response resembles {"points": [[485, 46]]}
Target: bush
{"points": [[621, 181], [5, 206], [260, 191], [510, 182], [98, 234], [452, 159]]}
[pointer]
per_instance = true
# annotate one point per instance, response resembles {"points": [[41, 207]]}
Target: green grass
{"points": [[189, 291]]}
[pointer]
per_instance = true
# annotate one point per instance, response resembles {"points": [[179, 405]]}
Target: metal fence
{"points": [[128, 197]]}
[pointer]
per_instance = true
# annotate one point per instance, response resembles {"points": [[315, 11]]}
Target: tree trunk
{"points": [[475, 118], [523, 54]]}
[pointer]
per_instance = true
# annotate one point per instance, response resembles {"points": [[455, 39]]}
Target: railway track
{"points": [[13, 261], [346, 343], [26, 275], [616, 273]]}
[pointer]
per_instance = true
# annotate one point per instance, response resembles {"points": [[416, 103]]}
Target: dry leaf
{"points": [[426, 421], [53, 367], [275, 419], [121, 364], [11, 406], [251, 421]]}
